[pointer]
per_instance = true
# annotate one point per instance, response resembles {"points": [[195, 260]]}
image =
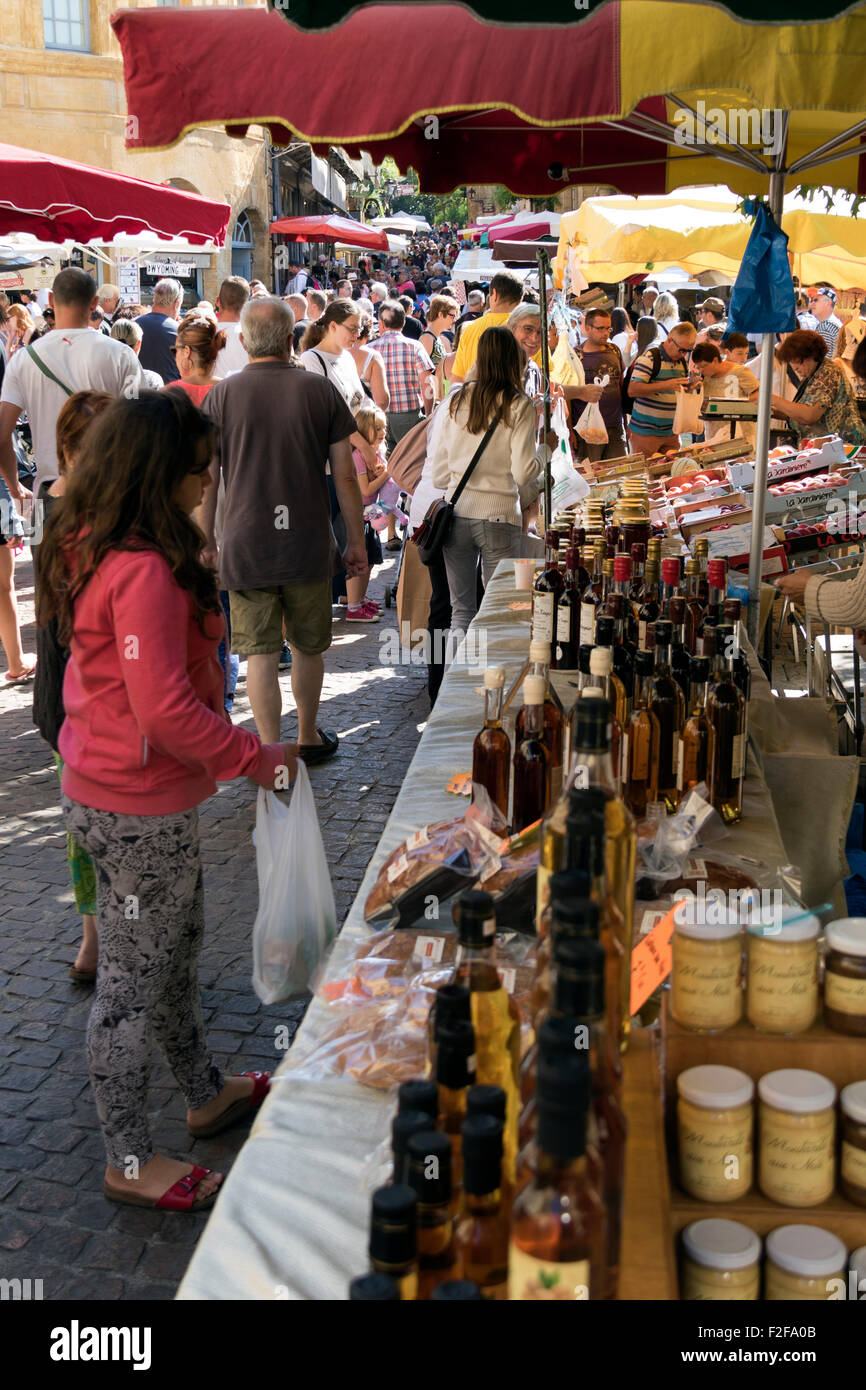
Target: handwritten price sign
{"points": [[651, 960]]}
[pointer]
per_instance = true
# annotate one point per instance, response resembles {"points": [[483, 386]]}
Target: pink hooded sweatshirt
{"points": [[145, 731]]}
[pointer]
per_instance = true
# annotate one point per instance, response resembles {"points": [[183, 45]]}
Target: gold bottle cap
{"points": [[607, 569], [692, 567]]}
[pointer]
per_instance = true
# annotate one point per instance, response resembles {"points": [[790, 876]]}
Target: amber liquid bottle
{"points": [[495, 1016], [553, 719], [491, 751], [695, 742], [670, 585], [620, 682], [648, 610], [702, 555], [394, 1238], [641, 743], [531, 759], [668, 705], [568, 618], [545, 595], [484, 1227], [694, 607], [591, 599], [726, 711], [718, 584], [679, 655], [601, 669], [429, 1176], [557, 1223], [455, 1073]]}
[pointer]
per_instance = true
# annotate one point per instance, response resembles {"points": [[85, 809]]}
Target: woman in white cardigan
{"points": [[504, 482]]}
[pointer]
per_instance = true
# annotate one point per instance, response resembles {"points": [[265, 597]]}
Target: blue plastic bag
{"points": [[762, 300]]}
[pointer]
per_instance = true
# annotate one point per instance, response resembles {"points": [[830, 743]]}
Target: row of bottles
{"points": [[468, 1214]]}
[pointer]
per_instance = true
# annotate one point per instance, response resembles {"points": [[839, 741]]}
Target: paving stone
{"points": [[29, 988], [57, 1138], [111, 1250], [17, 1230], [44, 1196]]}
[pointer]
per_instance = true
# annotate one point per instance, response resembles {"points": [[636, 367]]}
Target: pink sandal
{"points": [[237, 1111], [179, 1197]]}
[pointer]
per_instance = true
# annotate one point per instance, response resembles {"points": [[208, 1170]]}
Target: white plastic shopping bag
{"points": [[297, 918], [591, 426], [687, 416]]}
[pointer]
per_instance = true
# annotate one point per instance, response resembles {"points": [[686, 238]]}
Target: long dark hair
{"points": [[119, 497], [498, 385]]}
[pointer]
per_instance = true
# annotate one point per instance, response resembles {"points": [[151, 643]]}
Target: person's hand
{"points": [[793, 585], [591, 392], [210, 556], [556, 392], [355, 560], [20, 493], [290, 756]]}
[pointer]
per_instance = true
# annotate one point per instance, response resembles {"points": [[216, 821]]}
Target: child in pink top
{"points": [[380, 494]]}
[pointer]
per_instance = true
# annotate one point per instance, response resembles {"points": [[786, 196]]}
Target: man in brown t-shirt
{"points": [[279, 427]]}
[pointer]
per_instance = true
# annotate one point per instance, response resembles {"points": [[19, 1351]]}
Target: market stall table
{"points": [[292, 1219]]}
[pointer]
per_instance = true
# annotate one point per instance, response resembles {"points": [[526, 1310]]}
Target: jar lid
{"points": [[853, 1101], [806, 1250], [857, 1262], [803, 929], [721, 1244], [801, 1092], [711, 931], [848, 935], [715, 1088]]}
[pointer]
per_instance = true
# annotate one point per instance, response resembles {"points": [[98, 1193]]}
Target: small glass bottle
{"points": [[568, 617], [531, 759], [404, 1124], [648, 609], [679, 655], [621, 681], [429, 1176], [721, 1260], [707, 974], [695, 741], [717, 588], [667, 703], [804, 1264], [601, 669], [491, 751], [845, 976], [455, 1073], [483, 1231], [641, 743], [591, 599], [852, 1168], [670, 585], [797, 1150], [450, 1003], [715, 1132], [374, 1288], [782, 975], [553, 718], [694, 606], [545, 594], [394, 1237], [726, 708]]}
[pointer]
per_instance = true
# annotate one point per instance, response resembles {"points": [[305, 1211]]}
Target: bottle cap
{"points": [[404, 1124], [534, 690], [603, 630], [451, 1002], [671, 570], [803, 929], [643, 663], [453, 1289], [486, 1100], [584, 652], [798, 1091], [576, 919], [852, 1099], [621, 568], [715, 1088], [607, 569], [809, 1251], [721, 1244], [692, 567], [569, 886], [601, 661], [540, 651], [494, 677], [393, 1226], [848, 936], [592, 724], [374, 1288], [717, 574], [421, 1095], [482, 1154], [578, 986], [475, 917], [455, 1055], [429, 1167], [677, 611], [702, 546], [664, 633], [699, 669], [593, 692], [557, 1035], [562, 1094]]}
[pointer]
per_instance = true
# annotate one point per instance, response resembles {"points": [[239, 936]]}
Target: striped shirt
{"points": [[829, 330], [655, 414], [403, 357]]}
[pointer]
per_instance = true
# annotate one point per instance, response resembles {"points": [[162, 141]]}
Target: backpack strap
{"points": [[46, 371]]}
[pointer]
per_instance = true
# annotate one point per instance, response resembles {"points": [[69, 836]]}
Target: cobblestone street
{"points": [[55, 1224]]}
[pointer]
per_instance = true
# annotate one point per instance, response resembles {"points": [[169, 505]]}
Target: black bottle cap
{"points": [[419, 1095], [455, 1055], [404, 1124], [699, 669], [578, 984], [374, 1288], [486, 1100], [451, 1002], [592, 725], [393, 1228], [556, 1037], [567, 886], [482, 1154], [457, 1289], [584, 652], [643, 664], [723, 631], [476, 920], [584, 840], [664, 633], [562, 1095], [429, 1167], [593, 797], [575, 918], [603, 631]]}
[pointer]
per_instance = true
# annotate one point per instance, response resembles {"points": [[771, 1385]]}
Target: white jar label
{"points": [[587, 622], [542, 617], [563, 623]]}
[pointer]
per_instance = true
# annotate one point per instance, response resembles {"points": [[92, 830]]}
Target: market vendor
{"points": [[824, 403], [727, 379]]}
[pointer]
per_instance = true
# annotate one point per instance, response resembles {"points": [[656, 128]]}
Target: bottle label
{"points": [[843, 994], [642, 636], [542, 617], [853, 1164], [738, 756], [675, 754], [797, 1160], [429, 948], [681, 755], [587, 622], [531, 1279], [715, 1152], [563, 623], [623, 767]]}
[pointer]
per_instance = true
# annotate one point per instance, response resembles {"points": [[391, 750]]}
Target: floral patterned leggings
{"points": [[151, 925]]}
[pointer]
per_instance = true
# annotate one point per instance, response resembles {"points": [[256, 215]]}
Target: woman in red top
{"points": [[196, 349], [144, 740]]}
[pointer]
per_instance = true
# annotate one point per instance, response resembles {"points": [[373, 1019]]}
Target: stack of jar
{"points": [[776, 983], [721, 1260]]}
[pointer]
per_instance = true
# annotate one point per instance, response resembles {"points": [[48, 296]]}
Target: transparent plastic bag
{"points": [[591, 426], [296, 919]]}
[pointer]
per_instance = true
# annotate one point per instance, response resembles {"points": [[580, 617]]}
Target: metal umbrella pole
{"points": [[543, 271]]}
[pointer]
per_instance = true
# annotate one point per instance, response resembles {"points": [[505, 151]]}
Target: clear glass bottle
{"points": [[727, 751], [394, 1237], [668, 705], [491, 751], [531, 793], [695, 741], [484, 1227]]}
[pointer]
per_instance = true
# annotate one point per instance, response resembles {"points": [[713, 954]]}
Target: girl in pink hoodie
{"points": [[144, 740]]}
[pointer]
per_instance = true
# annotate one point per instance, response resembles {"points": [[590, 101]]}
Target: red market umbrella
{"points": [[324, 14], [59, 200], [526, 251], [329, 228]]}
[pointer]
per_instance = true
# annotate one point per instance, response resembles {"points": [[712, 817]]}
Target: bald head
{"points": [[267, 325]]}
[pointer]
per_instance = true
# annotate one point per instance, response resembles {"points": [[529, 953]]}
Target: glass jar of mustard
{"points": [[857, 1267], [721, 1260], [706, 975], [852, 1168], [845, 976], [715, 1124], [797, 1133], [782, 975], [804, 1263]]}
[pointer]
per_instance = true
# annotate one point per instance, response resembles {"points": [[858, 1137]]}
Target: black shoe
{"points": [[285, 657], [313, 753]]}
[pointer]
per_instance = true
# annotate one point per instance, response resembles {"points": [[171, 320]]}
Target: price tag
{"points": [[418, 838], [651, 960], [399, 867], [460, 784], [429, 948], [519, 607], [698, 867]]}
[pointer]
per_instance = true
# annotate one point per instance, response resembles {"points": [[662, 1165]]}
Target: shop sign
{"points": [[178, 270]]}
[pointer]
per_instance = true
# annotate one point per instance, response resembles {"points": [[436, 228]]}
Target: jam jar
{"points": [[706, 977], [852, 1166], [804, 1263], [782, 975], [796, 1149], [721, 1260], [845, 976], [715, 1129]]}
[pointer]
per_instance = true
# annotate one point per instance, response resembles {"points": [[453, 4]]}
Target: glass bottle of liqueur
{"points": [[404, 1124], [451, 1004], [649, 610], [491, 751], [495, 1016], [668, 705], [557, 1222], [694, 606], [702, 555], [695, 741], [582, 576], [601, 666], [641, 743], [455, 1073], [552, 720], [571, 913], [491, 1100], [606, 582], [638, 569], [732, 610], [429, 1176], [394, 1238], [584, 682], [585, 850], [531, 759], [679, 655], [576, 924], [545, 594], [485, 1223], [568, 618], [591, 598], [718, 587], [670, 584], [579, 995], [621, 666], [726, 711]]}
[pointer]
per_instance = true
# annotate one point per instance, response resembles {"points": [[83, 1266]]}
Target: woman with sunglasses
{"points": [[198, 344], [441, 317]]}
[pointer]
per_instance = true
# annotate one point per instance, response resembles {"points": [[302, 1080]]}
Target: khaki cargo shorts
{"points": [[258, 614]]}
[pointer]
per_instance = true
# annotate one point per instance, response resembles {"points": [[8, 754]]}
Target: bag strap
{"points": [[803, 384], [322, 360], [473, 461], [46, 371]]}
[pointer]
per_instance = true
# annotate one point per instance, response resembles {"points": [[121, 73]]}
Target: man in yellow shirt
{"points": [[506, 292]]}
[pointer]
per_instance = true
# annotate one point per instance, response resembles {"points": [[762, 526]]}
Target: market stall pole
{"points": [[543, 272]]}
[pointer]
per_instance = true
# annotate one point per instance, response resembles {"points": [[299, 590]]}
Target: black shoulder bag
{"points": [[431, 535]]}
